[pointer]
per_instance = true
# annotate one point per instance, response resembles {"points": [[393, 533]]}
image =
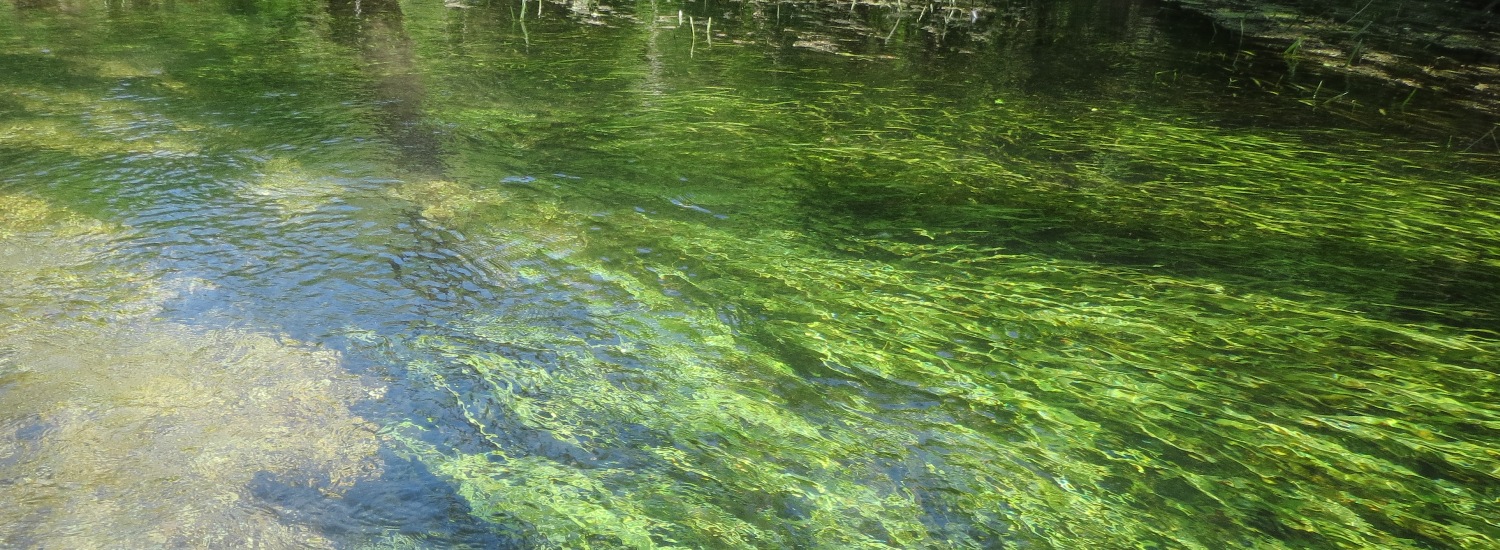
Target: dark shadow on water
{"points": [[1397, 285], [377, 30], [405, 500]]}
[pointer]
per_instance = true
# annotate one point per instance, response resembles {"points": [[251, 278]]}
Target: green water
{"points": [[1040, 275]]}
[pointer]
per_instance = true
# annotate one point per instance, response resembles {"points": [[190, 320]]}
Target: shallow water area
{"points": [[403, 274], [124, 429]]}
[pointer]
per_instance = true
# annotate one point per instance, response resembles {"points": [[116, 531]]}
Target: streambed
{"points": [[401, 274]]}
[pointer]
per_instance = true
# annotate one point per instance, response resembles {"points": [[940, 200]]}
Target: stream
{"points": [[712, 274]]}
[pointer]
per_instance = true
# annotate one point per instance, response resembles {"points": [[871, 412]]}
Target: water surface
{"points": [[1030, 275]]}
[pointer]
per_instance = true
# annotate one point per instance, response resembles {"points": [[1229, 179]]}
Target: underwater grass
{"points": [[990, 396], [806, 314], [1346, 213], [817, 314]]}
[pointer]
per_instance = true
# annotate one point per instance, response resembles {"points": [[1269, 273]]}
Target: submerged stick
{"points": [[1491, 133], [1361, 10], [893, 30]]}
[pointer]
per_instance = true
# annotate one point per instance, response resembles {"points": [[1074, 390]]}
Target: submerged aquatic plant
{"points": [[946, 395], [920, 321], [897, 317]]}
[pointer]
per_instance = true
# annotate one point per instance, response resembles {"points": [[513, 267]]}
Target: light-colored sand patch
{"points": [[119, 430]]}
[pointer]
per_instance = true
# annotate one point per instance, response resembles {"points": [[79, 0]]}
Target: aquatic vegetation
{"points": [[293, 189], [696, 473], [946, 383], [48, 261], [631, 291], [447, 202], [929, 320], [22, 213], [1248, 206]]}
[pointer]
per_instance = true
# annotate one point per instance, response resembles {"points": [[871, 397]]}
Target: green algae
{"points": [[23, 213], [291, 187], [47, 257]]}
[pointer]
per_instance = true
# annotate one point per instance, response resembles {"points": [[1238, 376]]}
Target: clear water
{"points": [[1030, 275]]}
